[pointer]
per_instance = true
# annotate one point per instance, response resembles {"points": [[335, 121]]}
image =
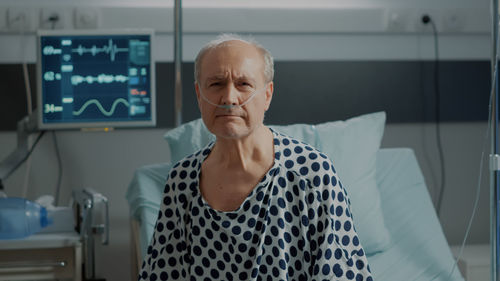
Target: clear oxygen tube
{"points": [[229, 106]]}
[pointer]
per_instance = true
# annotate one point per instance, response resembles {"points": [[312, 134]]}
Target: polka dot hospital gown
{"points": [[294, 225]]}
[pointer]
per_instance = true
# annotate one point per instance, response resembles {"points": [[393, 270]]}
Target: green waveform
{"points": [[99, 106]]}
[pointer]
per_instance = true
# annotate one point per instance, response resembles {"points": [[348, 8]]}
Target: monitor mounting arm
{"points": [[25, 127]]}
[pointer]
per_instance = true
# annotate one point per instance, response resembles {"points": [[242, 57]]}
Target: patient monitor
{"points": [[95, 78]]}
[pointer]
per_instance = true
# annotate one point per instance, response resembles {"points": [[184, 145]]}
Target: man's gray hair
{"points": [[221, 40]]}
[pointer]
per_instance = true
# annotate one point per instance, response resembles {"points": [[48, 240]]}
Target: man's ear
{"points": [[269, 94], [197, 89]]}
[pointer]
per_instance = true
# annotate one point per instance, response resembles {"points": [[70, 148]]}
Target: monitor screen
{"points": [[95, 78]]}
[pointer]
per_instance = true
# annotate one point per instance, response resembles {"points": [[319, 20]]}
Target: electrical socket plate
{"points": [[19, 19], [397, 20], [454, 21], [47, 13], [426, 28], [86, 18]]}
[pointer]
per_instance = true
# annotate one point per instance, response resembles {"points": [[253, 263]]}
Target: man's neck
{"points": [[244, 153]]}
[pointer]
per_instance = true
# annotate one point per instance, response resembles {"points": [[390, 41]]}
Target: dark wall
{"points": [[313, 92]]}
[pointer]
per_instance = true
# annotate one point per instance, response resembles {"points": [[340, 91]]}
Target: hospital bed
{"points": [[392, 209]]}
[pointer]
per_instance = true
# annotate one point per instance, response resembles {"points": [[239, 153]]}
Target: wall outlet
{"points": [[86, 18], [52, 18], [397, 20], [422, 27], [19, 19], [454, 21]]}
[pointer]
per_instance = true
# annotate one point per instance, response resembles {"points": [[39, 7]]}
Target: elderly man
{"points": [[254, 204]]}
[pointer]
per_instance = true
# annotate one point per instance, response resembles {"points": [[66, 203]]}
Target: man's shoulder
{"points": [[290, 147], [302, 158]]}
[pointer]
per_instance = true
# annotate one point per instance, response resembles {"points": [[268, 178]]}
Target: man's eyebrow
{"points": [[220, 77], [245, 77], [216, 77]]}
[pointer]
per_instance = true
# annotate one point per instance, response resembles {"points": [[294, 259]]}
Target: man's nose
{"points": [[230, 95]]}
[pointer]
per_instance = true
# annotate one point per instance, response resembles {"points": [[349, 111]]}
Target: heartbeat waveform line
{"points": [[111, 49], [101, 79], [100, 107]]}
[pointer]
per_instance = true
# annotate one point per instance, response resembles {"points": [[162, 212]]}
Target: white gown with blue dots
{"points": [[294, 225]]}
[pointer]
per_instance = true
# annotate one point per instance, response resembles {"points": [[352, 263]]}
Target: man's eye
{"points": [[215, 84]]}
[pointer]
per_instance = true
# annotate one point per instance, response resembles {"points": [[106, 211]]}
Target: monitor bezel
{"points": [[85, 125]]}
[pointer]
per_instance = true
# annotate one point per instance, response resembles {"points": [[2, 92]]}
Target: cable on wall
{"points": [[32, 148], [59, 170], [426, 19], [29, 102]]}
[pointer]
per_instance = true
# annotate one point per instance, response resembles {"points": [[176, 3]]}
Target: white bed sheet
{"points": [[419, 249]]}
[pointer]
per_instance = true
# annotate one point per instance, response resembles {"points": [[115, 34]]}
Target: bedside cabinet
{"points": [[42, 257], [475, 261]]}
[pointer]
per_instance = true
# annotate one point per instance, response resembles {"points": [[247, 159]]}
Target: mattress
{"points": [[419, 250], [144, 196]]}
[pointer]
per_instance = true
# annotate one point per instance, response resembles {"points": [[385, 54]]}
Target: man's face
{"points": [[229, 75]]}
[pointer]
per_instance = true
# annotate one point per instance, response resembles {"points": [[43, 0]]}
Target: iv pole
{"points": [[178, 61], [494, 157]]}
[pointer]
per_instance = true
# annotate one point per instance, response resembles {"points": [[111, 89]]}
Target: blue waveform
{"points": [[110, 49], [100, 107]]}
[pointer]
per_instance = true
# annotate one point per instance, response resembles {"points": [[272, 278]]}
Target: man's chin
{"points": [[231, 131]]}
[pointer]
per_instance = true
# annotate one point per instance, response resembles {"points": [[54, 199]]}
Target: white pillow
{"points": [[352, 145]]}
